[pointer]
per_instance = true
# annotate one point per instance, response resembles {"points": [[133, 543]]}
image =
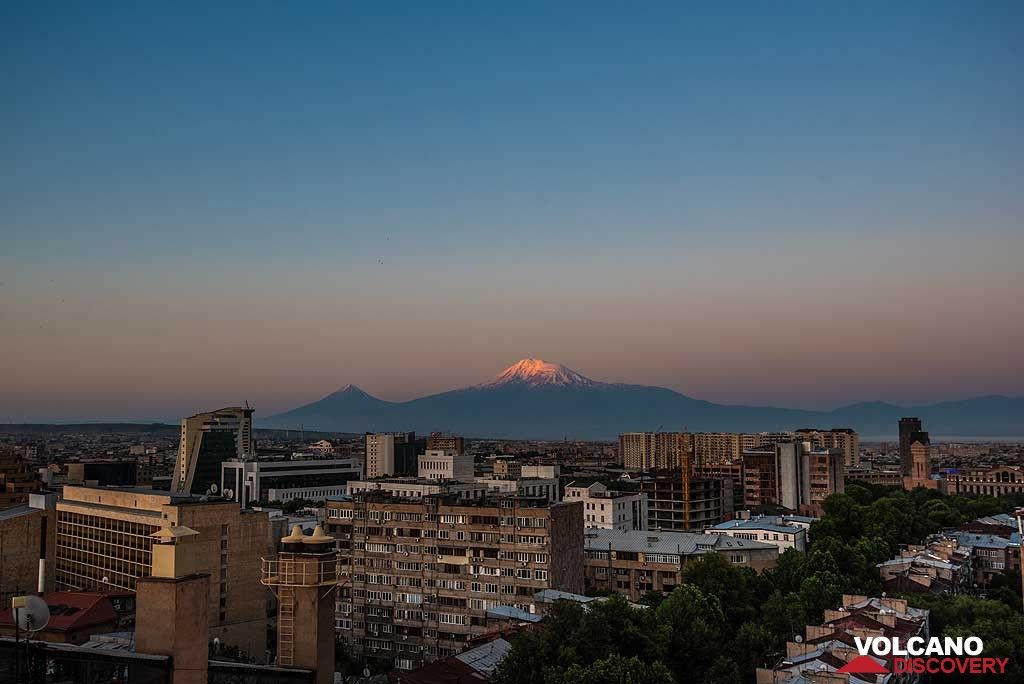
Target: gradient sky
{"points": [[795, 203]]}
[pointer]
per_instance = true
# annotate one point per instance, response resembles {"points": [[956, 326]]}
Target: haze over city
{"points": [[798, 205]]}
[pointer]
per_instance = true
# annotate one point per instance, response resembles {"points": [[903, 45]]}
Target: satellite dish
{"points": [[32, 612], [213, 488], [229, 494]]}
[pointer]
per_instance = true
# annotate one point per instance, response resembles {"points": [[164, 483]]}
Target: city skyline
{"points": [[798, 206]]}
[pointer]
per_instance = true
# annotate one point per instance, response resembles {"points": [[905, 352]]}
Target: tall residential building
{"points": [[390, 454], [794, 475], [207, 440], [714, 448], [844, 439], [105, 538], [908, 426], [418, 579], [17, 481], [655, 450]]}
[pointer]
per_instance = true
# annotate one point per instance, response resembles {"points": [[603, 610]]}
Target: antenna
{"points": [[30, 612]]}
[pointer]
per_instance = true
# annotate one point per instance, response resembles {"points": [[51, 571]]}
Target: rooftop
{"points": [[679, 543]]}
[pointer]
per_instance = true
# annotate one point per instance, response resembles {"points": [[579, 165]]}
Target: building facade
{"points": [[993, 481], [677, 501], [636, 562], [390, 454], [437, 464], [908, 426], [609, 510], [207, 440], [253, 481], [105, 538], [417, 577]]}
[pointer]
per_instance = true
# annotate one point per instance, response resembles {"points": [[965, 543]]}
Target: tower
{"points": [[304, 576], [172, 609], [908, 426]]}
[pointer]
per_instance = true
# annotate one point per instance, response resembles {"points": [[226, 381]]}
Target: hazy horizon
{"points": [[798, 205]]}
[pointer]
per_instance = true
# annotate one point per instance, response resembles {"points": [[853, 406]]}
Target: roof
{"points": [[772, 523], [989, 541], [16, 512], [469, 667], [678, 543], [487, 657], [512, 613], [71, 611], [552, 595]]}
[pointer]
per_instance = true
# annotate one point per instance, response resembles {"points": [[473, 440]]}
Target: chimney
{"points": [[172, 607]]}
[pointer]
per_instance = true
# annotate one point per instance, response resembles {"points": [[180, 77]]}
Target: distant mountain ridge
{"points": [[533, 398]]}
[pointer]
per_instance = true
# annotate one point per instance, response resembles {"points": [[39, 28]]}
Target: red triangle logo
{"points": [[863, 665]]}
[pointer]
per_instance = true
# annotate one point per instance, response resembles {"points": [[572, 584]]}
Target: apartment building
{"points": [[847, 441], [636, 562], [390, 454], [794, 475], [655, 450], [105, 537], [417, 577], [608, 509], [17, 481], [443, 442]]}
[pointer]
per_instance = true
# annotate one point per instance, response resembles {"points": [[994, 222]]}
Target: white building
{"points": [[415, 488], [607, 510], [770, 529], [523, 486], [545, 471], [298, 478], [437, 464]]}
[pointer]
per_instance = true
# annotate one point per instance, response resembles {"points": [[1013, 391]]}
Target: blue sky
{"points": [[197, 200]]}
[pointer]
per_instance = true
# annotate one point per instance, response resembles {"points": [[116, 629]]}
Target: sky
{"points": [[800, 204]]}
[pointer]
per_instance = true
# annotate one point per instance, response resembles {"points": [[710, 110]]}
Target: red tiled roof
{"points": [[71, 611]]}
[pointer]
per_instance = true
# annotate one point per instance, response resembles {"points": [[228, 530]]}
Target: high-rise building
{"points": [[105, 538], [844, 439], [390, 454], [794, 475], [207, 440], [17, 481], [419, 578], [654, 450], [908, 426]]}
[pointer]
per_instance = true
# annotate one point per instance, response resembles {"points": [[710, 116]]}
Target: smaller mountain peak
{"points": [[538, 372], [352, 391]]}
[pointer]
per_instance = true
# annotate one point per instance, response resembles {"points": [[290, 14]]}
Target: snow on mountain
{"points": [[540, 373]]}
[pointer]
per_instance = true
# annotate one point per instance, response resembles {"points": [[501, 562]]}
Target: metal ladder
{"points": [[286, 626]]}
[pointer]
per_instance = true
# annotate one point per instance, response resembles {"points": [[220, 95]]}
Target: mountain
{"points": [[537, 399]]}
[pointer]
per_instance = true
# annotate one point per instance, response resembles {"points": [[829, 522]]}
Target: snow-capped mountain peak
{"points": [[539, 373]]}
